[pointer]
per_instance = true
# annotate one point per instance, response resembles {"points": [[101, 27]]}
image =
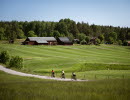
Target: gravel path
{"points": [[10, 71]]}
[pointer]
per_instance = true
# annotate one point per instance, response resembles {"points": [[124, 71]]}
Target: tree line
{"points": [[11, 30]]}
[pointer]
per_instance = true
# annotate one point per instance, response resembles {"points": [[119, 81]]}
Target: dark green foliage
{"points": [[20, 34], [125, 43], [83, 42], [16, 62], [119, 42], [65, 27], [81, 37], [101, 37], [87, 39], [98, 41], [2, 34], [4, 57], [113, 35], [110, 40], [31, 34], [56, 34]]}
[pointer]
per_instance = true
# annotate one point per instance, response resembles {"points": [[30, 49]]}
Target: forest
{"points": [[12, 30]]}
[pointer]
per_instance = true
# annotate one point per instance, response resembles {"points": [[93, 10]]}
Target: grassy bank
{"points": [[24, 88]]}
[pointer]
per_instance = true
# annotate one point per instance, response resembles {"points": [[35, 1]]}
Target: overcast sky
{"points": [[99, 12]]}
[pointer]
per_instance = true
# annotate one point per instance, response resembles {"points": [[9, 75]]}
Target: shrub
{"points": [[83, 42], [16, 62], [119, 42], [87, 39], [4, 57], [98, 41], [125, 43]]}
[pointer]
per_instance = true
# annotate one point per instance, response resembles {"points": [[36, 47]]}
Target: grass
{"points": [[25, 88], [77, 58], [107, 66]]}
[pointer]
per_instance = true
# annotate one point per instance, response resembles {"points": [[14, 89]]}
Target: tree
{"points": [[98, 41], [128, 35], [20, 34], [81, 36], [113, 35], [10, 34], [2, 34], [87, 39], [73, 29], [31, 34], [16, 62], [62, 28], [110, 40], [56, 34], [125, 43], [83, 42], [119, 42], [101, 37], [70, 36], [4, 57]]}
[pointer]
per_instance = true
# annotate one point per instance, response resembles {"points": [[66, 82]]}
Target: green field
{"points": [[107, 67], [26, 88], [89, 62]]}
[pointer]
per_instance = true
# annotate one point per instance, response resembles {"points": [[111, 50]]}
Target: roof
{"points": [[64, 39], [42, 39]]}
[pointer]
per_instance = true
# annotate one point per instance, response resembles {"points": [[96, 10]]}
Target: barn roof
{"points": [[64, 39], [42, 39]]}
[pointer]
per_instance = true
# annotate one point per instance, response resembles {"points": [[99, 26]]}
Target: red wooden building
{"points": [[64, 41], [40, 41]]}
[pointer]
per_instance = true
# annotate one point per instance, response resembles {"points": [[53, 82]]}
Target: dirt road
{"points": [[13, 72]]}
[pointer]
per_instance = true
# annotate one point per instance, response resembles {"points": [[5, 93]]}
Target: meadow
{"points": [[107, 67], [25, 88], [88, 61]]}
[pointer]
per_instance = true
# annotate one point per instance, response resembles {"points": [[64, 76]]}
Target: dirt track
{"points": [[13, 72]]}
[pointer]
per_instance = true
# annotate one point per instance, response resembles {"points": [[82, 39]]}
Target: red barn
{"points": [[40, 41]]}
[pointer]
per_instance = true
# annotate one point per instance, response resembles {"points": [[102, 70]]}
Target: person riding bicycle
{"points": [[73, 76], [53, 73], [63, 74]]}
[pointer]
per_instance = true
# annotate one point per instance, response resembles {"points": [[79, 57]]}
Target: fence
{"points": [[93, 77]]}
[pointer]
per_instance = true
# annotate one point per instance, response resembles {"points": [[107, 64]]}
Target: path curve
{"points": [[10, 71]]}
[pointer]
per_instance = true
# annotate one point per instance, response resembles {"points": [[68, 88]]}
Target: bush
{"points": [[16, 62], [125, 43], [119, 42], [87, 39], [4, 57], [83, 42], [98, 41]]}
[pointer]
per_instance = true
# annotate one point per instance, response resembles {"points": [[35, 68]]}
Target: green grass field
{"points": [[26, 88], [88, 61], [106, 66]]}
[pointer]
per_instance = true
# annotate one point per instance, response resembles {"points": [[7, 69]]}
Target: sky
{"points": [[99, 12]]}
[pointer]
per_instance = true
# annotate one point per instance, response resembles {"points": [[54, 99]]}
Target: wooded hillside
{"points": [[65, 27]]}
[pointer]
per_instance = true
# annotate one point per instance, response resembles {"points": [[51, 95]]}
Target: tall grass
{"points": [[22, 88]]}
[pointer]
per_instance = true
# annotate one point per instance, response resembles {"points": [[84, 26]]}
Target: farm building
{"points": [[128, 43], [40, 41], [64, 41]]}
